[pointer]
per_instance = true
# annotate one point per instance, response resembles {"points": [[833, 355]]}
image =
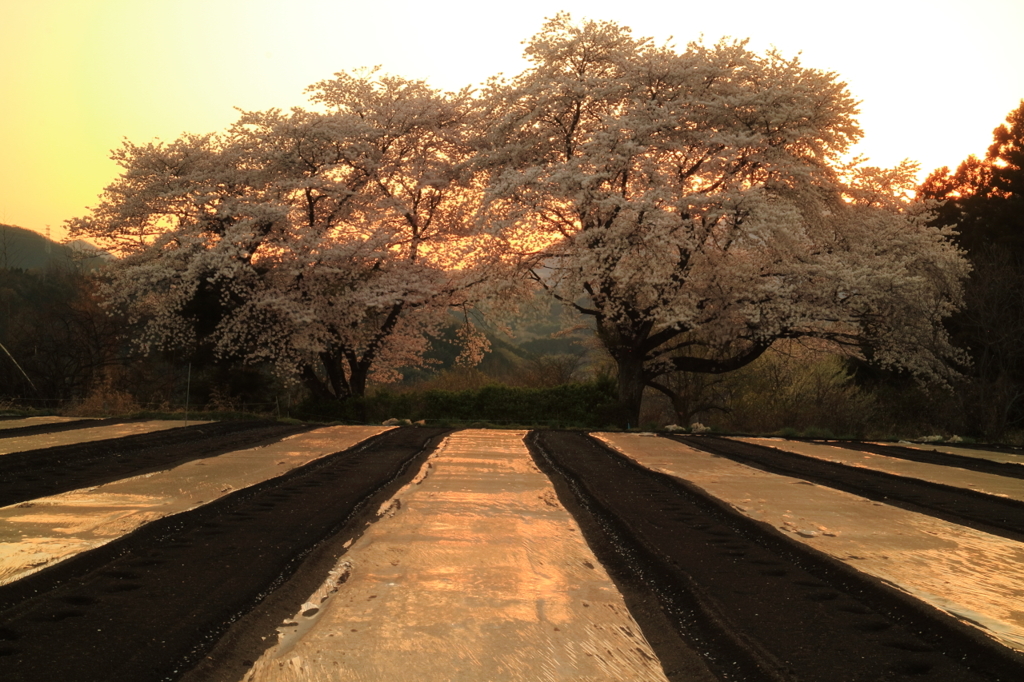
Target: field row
{"points": [[221, 551]]}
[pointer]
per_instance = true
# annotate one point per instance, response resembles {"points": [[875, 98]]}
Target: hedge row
{"points": [[590, 405]]}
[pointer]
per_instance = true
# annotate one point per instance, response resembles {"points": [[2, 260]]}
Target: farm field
{"points": [[231, 551], [45, 422], [977, 473], [30, 437]]}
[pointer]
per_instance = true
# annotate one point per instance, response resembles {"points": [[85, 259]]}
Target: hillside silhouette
{"points": [[23, 249]]}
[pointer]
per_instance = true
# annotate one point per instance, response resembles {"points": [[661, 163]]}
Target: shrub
{"points": [[809, 392], [104, 401], [569, 405]]}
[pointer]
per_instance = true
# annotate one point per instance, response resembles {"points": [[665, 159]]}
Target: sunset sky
{"points": [[77, 76]]}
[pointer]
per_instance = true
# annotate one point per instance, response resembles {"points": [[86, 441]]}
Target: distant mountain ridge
{"points": [[23, 249]]}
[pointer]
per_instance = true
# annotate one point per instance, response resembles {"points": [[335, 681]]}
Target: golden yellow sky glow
{"points": [[77, 76]]}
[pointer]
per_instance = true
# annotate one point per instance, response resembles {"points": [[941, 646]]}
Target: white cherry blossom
{"points": [[697, 206]]}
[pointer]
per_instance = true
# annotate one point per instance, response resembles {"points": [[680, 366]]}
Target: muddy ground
{"points": [[204, 591]]}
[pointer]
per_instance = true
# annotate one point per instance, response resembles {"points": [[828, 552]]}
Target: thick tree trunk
{"points": [[631, 388], [316, 385], [344, 393], [357, 386], [357, 379], [331, 383]]}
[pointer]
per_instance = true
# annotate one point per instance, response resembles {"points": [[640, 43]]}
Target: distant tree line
{"points": [[57, 340], [984, 200]]}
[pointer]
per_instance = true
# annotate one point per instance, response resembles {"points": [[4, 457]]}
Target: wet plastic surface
{"points": [[474, 573], [85, 435], [964, 451], [33, 421], [991, 484], [150, 605], [46, 530]]}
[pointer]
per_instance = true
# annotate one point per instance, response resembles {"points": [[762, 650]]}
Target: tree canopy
{"points": [[329, 242], [984, 201], [984, 198], [696, 205]]}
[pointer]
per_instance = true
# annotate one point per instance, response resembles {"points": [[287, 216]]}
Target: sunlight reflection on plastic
{"points": [[479, 574], [44, 531], [991, 484], [85, 435]]}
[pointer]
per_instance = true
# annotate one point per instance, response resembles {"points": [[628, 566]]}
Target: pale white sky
{"points": [[77, 76]]}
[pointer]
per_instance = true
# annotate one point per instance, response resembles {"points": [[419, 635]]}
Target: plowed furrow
{"points": [[936, 457], [148, 606], [987, 513], [59, 427], [38, 473], [758, 605]]}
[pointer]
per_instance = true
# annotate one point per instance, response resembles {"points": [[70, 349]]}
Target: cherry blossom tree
{"points": [[331, 242], [696, 205]]}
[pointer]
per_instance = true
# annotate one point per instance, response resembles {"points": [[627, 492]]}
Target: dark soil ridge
{"points": [[986, 466], [988, 447], [254, 633], [987, 513], [149, 606], [37, 473], [58, 427], [757, 604]]}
